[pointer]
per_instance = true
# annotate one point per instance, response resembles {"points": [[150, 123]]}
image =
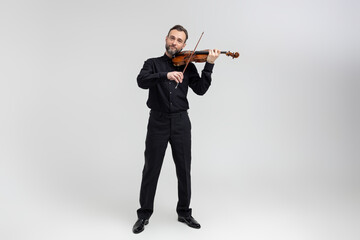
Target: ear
{"points": [[184, 46]]}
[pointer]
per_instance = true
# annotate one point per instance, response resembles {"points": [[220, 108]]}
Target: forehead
{"points": [[178, 34]]}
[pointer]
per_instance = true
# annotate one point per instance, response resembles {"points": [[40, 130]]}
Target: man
{"points": [[169, 122]]}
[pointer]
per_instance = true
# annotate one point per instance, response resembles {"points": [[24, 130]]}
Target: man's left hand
{"points": [[213, 55]]}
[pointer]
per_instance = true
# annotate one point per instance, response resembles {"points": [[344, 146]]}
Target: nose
{"points": [[174, 43]]}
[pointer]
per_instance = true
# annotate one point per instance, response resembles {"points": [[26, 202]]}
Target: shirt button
{"points": [[170, 92]]}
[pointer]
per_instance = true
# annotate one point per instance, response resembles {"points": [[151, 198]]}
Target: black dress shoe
{"points": [[190, 221], [140, 225]]}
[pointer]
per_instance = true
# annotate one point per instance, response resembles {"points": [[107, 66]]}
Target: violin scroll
{"points": [[232, 54]]}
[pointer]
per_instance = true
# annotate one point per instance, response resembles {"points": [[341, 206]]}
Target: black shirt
{"points": [[163, 97]]}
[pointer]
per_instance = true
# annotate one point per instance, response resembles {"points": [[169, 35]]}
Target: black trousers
{"points": [[163, 128]]}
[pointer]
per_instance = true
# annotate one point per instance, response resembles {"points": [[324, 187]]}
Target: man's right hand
{"points": [[175, 76]]}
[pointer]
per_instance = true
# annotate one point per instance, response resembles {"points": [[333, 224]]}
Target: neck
{"points": [[168, 54]]}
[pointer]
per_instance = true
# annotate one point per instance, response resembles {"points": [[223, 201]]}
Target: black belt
{"points": [[168, 115]]}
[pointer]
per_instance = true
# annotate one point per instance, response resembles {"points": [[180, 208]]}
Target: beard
{"points": [[172, 50]]}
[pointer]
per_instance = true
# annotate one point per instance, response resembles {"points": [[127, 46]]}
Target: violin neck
{"points": [[207, 52]]}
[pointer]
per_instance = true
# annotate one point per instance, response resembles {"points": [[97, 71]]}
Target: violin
{"points": [[184, 57]]}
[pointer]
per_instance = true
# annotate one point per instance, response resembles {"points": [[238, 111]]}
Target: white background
{"points": [[275, 139]]}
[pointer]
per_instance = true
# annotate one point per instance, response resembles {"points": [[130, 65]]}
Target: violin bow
{"points": [[188, 61]]}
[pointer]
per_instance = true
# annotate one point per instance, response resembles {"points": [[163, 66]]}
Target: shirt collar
{"points": [[167, 58]]}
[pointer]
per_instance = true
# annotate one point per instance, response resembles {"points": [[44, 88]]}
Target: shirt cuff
{"points": [[208, 67], [163, 76]]}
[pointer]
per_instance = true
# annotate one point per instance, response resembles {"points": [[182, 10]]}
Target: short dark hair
{"points": [[179, 28]]}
